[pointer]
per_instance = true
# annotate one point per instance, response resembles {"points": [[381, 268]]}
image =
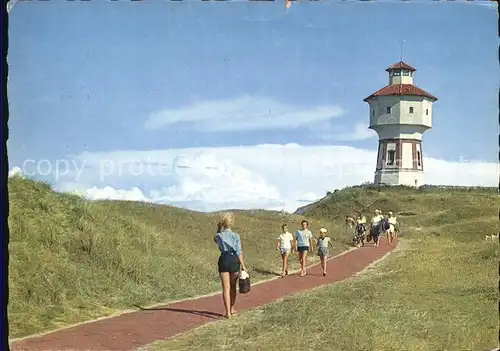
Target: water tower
{"points": [[400, 113]]}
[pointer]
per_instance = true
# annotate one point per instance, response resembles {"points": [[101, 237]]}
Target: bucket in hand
{"points": [[244, 283]]}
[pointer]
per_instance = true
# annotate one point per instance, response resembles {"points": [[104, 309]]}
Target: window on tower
{"points": [[388, 109], [391, 157], [426, 111], [406, 72], [396, 72], [411, 109], [373, 112], [419, 161]]}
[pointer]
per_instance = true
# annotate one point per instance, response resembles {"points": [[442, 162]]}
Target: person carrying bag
{"points": [[231, 263], [244, 283]]}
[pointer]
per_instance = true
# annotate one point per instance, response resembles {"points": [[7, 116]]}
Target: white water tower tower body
{"points": [[400, 113]]}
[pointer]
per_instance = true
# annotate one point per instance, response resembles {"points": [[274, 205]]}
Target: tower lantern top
{"points": [[400, 66], [401, 73], [401, 77]]}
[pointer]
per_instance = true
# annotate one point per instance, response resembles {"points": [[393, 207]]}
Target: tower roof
{"points": [[401, 90], [401, 65]]}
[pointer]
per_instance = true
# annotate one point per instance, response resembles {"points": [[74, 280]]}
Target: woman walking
{"points": [[391, 232], [285, 243], [360, 230], [324, 243], [230, 261], [303, 244], [375, 227]]}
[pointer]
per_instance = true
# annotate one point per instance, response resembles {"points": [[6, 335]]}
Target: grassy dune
{"points": [[74, 260], [439, 291]]}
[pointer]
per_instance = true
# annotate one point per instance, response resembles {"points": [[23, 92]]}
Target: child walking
{"points": [[284, 245], [324, 243]]}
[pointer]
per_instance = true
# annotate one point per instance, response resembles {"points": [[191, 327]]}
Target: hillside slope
{"points": [[438, 291], [74, 260], [420, 208]]}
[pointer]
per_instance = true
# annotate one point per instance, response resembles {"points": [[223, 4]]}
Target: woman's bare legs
{"points": [[225, 279], [232, 292]]}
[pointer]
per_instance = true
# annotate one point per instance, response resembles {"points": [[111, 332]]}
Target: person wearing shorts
{"points": [[230, 261], [324, 243], [284, 246], [303, 244]]}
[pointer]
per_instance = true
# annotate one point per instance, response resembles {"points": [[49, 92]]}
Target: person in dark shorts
{"points": [[303, 244], [230, 261]]}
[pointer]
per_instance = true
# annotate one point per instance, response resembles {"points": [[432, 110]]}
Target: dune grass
{"points": [[439, 291], [74, 260]]}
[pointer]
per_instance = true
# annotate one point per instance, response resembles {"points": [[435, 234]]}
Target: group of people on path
{"points": [[379, 224], [231, 261], [303, 242]]}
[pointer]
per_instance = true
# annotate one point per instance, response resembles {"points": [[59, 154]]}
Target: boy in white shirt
{"points": [[285, 243], [324, 242]]}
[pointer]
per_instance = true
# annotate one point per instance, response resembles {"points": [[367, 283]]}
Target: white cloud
{"points": [[245, 113], [102, 193], [108, 193], [273, 177], [16, 171]]}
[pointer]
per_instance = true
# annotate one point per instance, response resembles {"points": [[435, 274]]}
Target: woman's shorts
{"points": [[229, 262], [284, 251], [303, 248], [323, 252]]}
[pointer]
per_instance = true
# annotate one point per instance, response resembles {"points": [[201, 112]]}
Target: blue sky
{"points": [[87, 76]]}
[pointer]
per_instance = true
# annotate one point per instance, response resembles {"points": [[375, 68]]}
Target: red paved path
{"points": [[132, 330]]}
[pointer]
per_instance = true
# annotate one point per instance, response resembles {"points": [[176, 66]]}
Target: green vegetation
{"points": [[73, 260], [439, 291]]}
